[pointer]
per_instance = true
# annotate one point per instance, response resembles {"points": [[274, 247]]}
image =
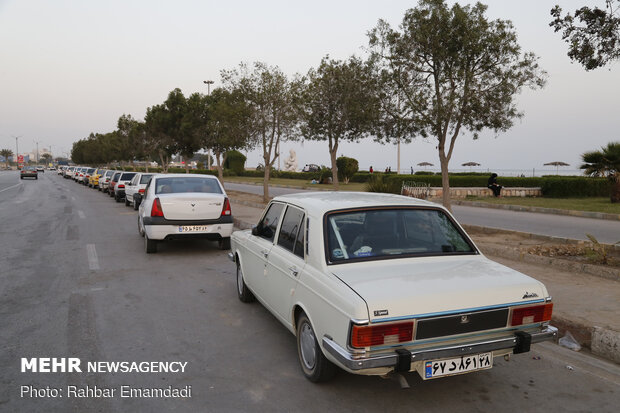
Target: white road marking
{"points": [[6, 189], [93, 261], [81, 214]]}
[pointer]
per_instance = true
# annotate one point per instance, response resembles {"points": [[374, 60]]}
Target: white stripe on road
{"points": [[81, 214], [6, 189], [93, 261]]}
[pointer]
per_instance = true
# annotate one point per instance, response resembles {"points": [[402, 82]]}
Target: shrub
{"points": [[572, 187], [235, 161], [380, 183], [347, 167]]}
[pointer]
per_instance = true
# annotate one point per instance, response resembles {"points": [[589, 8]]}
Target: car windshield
{"points": [[189, 184], [371, 234]]}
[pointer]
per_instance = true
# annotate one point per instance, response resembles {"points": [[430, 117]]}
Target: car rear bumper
{"points": [[404, 359], [165, 232]]}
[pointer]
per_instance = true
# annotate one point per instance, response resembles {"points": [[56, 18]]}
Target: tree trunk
{"points": [[445, 180], [266, 182], [186, 165], [333, 153], [220, 169]]}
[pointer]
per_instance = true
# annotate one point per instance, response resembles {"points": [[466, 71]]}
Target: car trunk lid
{"points": [[191, 206], [425, 286]]}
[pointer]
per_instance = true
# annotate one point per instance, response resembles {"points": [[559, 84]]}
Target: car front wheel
{"points": [[244, 293], [314, 364]]}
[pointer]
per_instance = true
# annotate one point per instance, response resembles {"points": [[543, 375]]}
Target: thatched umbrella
{"points": [[470, 164], [425, 164], [557, 164]]}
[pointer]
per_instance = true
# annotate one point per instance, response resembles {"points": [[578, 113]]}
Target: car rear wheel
{"points": [[126, 201], [150, 245], [224, 243], [314, 364], [140, 230], [135, 205], [243, 292], [117, 198]]}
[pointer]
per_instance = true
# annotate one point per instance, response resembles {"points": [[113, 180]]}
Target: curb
{"points": [[541, 210]]}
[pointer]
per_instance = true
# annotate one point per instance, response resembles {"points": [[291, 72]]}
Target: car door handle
{"points": [[293, 270], [265, 253]]}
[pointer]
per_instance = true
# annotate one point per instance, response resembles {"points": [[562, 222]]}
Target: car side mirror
{"points": [[255, 230]]}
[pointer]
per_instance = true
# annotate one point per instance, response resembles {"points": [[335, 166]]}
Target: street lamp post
{"points": [[208, 83], [37, 150], [16, 150]]}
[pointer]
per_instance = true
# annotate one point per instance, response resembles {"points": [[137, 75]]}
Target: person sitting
{"points": [[494, 186]]}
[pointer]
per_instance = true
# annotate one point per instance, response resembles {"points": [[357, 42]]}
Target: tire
{"points": [[21, 177], [224, 243], [243, 292], [150, 245], [313, 363], [126, 201], [135, 205], [140, 231], [117, 198]]}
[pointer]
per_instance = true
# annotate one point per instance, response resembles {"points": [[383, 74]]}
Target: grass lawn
{"points": [[575, 204], [352, 186]]}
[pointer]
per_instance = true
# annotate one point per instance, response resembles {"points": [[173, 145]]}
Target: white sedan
{"points": [[181, 206], [378, 284]]}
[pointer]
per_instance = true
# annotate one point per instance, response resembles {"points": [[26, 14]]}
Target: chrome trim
{"points": [[452, 312], [357, 362], [231, 256]]}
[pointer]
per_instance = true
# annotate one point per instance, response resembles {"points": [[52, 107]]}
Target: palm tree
{"points": [[605, 162], [6, 153]]}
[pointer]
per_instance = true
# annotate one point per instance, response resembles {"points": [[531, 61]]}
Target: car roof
{"points": [[159, 176], [325, 201]]}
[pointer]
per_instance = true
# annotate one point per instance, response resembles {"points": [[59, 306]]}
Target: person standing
{"points": [[370, 170], [494, 186]]}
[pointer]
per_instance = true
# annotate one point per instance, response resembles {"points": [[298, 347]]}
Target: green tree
{"points": [[605, 162], [339, 103], [227, 126], [269, 96], [456, 70], [6, 153], [46, 158], [593, 34], [193, 127], [347, 167], [162, 127]]}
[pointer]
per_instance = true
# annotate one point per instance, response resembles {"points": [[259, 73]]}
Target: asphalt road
{"points": [[544, 224], [75, 282]]}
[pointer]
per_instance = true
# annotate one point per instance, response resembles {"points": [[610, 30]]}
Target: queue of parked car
{"points": [[170, 206]]}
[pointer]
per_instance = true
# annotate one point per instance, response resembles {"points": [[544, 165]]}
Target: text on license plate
{"points": [[193, 228], [457, 365]]}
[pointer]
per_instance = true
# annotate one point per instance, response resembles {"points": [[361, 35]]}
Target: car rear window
{"points": [[145, 178], [370, 234], [90, 171], [127, 176], [189, 184]]}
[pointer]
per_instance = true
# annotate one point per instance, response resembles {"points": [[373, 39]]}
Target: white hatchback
{"points": [[180, 206], [136, 186]]}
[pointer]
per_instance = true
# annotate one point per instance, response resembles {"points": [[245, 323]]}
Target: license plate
{"points": [[193, 228], [457, 365]]}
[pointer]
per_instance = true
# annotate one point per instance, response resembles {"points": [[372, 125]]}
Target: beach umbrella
{"points": [[425, 164], [557, 164], [470, 164]]}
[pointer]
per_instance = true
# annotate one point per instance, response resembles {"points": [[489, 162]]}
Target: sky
{"points": [[71, 67]]}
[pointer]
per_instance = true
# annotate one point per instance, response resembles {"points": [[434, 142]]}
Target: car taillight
{"points": [[121, 186], [532, 314], [156, 210], [226, 208], [141, 191], [382, 334]]}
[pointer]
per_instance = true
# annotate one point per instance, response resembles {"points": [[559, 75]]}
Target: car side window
{"points": [[291, 224], [300, 242], [267, 226], [134, 180]]}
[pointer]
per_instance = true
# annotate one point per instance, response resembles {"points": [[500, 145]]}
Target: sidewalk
{"points": [[586, 305]]}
